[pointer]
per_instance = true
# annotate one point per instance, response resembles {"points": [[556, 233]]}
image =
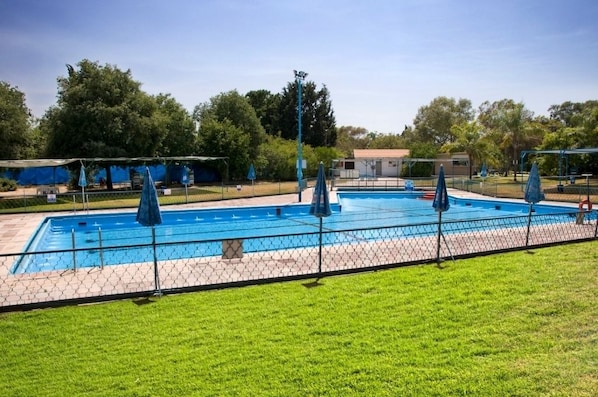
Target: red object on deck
{"points": [[428, 196]]}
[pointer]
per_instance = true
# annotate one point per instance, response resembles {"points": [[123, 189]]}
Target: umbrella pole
{"points": [[529, 222], [320, 255], [438, 239], [186, 195], [158, 292]]}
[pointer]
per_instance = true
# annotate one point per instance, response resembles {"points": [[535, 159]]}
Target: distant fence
{"points": [[558, 191], [51, 199], [258, 260]]}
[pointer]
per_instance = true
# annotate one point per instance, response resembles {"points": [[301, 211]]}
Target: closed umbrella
{"points": [[533, 194], [440, 204], [148, 214], [82, 183], [484, 171], [483, 174], [251, 176], [185, 181], [320, 205]]}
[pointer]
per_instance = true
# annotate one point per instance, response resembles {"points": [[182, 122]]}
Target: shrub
{"points": [[7, 185]]}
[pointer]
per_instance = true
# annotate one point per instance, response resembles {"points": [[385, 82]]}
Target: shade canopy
{"points": [[441, 199], [251, 173], [320, 202], [148, 213], [533, 188]]}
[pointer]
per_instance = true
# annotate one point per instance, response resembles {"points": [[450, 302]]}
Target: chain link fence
{"points": [[57, 198], [93, 274], [562, 191]]}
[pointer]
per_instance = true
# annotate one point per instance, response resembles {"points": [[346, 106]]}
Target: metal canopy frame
{"points": [[114, 160], [562, 153]]}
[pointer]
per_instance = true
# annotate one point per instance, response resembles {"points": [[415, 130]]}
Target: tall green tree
{"points": [[236, 109], [224, 139], [181, 138], [508, 124], [266, 106], [349, 138], [241, 134], [572, 125], [433, 122], [387, 141], [102, 112], [16, 136], [468, 139], [317, 116]]}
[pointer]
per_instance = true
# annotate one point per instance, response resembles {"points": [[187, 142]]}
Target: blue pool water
{"points": [[109, 239]]}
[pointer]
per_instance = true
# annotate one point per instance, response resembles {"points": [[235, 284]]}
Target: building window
{"points": [[349, 165]]}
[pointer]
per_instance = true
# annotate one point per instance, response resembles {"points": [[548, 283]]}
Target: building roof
{"points": [[380, 153]]}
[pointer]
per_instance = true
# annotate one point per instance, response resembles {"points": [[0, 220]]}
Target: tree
{"points": [[280, 157], [433, 122], [266, 107], [468, 139], [317, 121], [386, 141], [420, 151], [102, 112], [236, 109], [16, 136], [180, 139], [349, 138], [572, 125], [224, 139], [508, 125]]}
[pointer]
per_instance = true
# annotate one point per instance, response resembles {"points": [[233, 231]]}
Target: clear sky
{"points": [[380, 59]]}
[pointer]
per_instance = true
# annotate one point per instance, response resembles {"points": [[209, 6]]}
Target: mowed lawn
{"points": [[514, 324]]}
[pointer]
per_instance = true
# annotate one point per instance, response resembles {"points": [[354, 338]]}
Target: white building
{"points": [[374, 163], [371, 163]]}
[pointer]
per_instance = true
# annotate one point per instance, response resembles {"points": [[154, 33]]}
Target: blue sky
{"points": [[380, 59]]}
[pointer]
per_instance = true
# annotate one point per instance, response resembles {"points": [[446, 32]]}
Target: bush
{"points": [[7, 185]]}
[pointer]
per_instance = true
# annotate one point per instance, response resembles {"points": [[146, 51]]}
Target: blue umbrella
{"points": [[440, 204], [441, 199], [185, 176], [533, 194], [251, 176], [484, 171], [148, 214], [185, 181], [82, 183], [320, 205], [251, 173]]}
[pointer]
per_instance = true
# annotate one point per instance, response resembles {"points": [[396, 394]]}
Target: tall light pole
{"points": [[299, 77]]}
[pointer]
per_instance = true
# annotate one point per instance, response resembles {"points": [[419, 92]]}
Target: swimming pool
{"points": [[111, 239]]}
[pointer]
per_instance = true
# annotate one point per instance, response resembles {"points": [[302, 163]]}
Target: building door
{"points": [[378, 167]]}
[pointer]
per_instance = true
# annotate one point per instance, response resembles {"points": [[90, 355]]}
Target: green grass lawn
{"points": [[515, 324], [103, 199]]}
